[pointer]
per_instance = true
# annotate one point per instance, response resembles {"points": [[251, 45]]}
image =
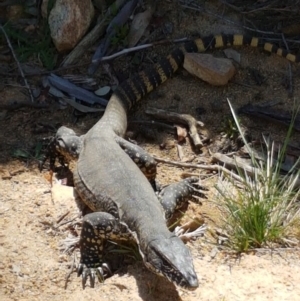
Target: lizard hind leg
{"points": [[175, 195]]}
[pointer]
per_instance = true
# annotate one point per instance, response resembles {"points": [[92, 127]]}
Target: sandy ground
{"points": [[33, 268]]}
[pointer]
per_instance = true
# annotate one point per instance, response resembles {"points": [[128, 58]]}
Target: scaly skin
{"points": [[125, 193]]}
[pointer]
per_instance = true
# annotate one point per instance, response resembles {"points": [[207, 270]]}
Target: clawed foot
{"points": [[193, 188], [102, 272], [174, 195]]}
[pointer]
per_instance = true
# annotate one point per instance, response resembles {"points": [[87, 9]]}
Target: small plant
{"points": [[27, 46], [229, 128], [120, 37], [35, 154], [265, 206]]}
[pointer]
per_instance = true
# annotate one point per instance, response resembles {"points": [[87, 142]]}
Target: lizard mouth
{"points": [[186, 280]]}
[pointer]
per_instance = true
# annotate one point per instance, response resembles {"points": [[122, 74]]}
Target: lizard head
{"points": [[171, 259], [68, 144]]}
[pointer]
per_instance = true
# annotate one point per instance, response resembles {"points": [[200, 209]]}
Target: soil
{"points": [[34, 215]]}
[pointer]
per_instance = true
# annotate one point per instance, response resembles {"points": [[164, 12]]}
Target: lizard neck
{"points": [[115, 116]]}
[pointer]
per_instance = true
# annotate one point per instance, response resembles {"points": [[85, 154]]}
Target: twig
{"points": [[17, 105], [62, 217], [152, 122], [290, 92], [67, 222], [290, 87], [214, 167], [201, 9], [284, 41], [16, 59], [186, 119], [73, 265], [137, 48], [180, 152], [107, 58]]}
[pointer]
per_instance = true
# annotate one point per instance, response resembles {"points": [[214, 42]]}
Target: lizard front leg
{"points": [[141, 158], [96, 228]]}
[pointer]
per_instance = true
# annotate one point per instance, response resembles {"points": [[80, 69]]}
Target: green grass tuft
{"points": [[262, 209]]}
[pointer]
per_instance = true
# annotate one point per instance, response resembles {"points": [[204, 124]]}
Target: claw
{"points": [[80, 269], [92, 278], [100, 274], [107, 268], [85, 274]]}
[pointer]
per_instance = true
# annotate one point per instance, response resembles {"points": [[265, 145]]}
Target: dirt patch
{"points": [[33, 267]]}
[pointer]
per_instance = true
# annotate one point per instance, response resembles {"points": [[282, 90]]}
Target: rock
{"points": [[103, 91], [215, 71], [232, 54], [69, 21], [62, 194]]}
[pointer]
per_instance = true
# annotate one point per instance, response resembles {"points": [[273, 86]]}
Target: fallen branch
{"points": [[218, 168], [21, 104], [186, 119], [235, 164]]}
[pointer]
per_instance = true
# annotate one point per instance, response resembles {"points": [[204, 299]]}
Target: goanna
{"points": [[109, 182]]}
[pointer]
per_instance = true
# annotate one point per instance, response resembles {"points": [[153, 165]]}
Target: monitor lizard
{"points": [[115, 188]]}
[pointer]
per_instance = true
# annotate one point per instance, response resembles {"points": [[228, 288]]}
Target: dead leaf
{"points": [[49, 176], [181, 133], [193, 224], [138, 26], [180, 152]]}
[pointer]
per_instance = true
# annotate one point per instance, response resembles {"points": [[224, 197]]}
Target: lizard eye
{"points": [[60, 142]]}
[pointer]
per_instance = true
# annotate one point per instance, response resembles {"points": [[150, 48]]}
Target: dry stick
{"points": [[152, 122], [290, 80], [19, 66], [73, 265], [290, 68], [235, 164], [180, 152], [66, 222], [186, 119], [62, 217], [17, 105], [107, 58], [215, 167], [136, 48]]}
